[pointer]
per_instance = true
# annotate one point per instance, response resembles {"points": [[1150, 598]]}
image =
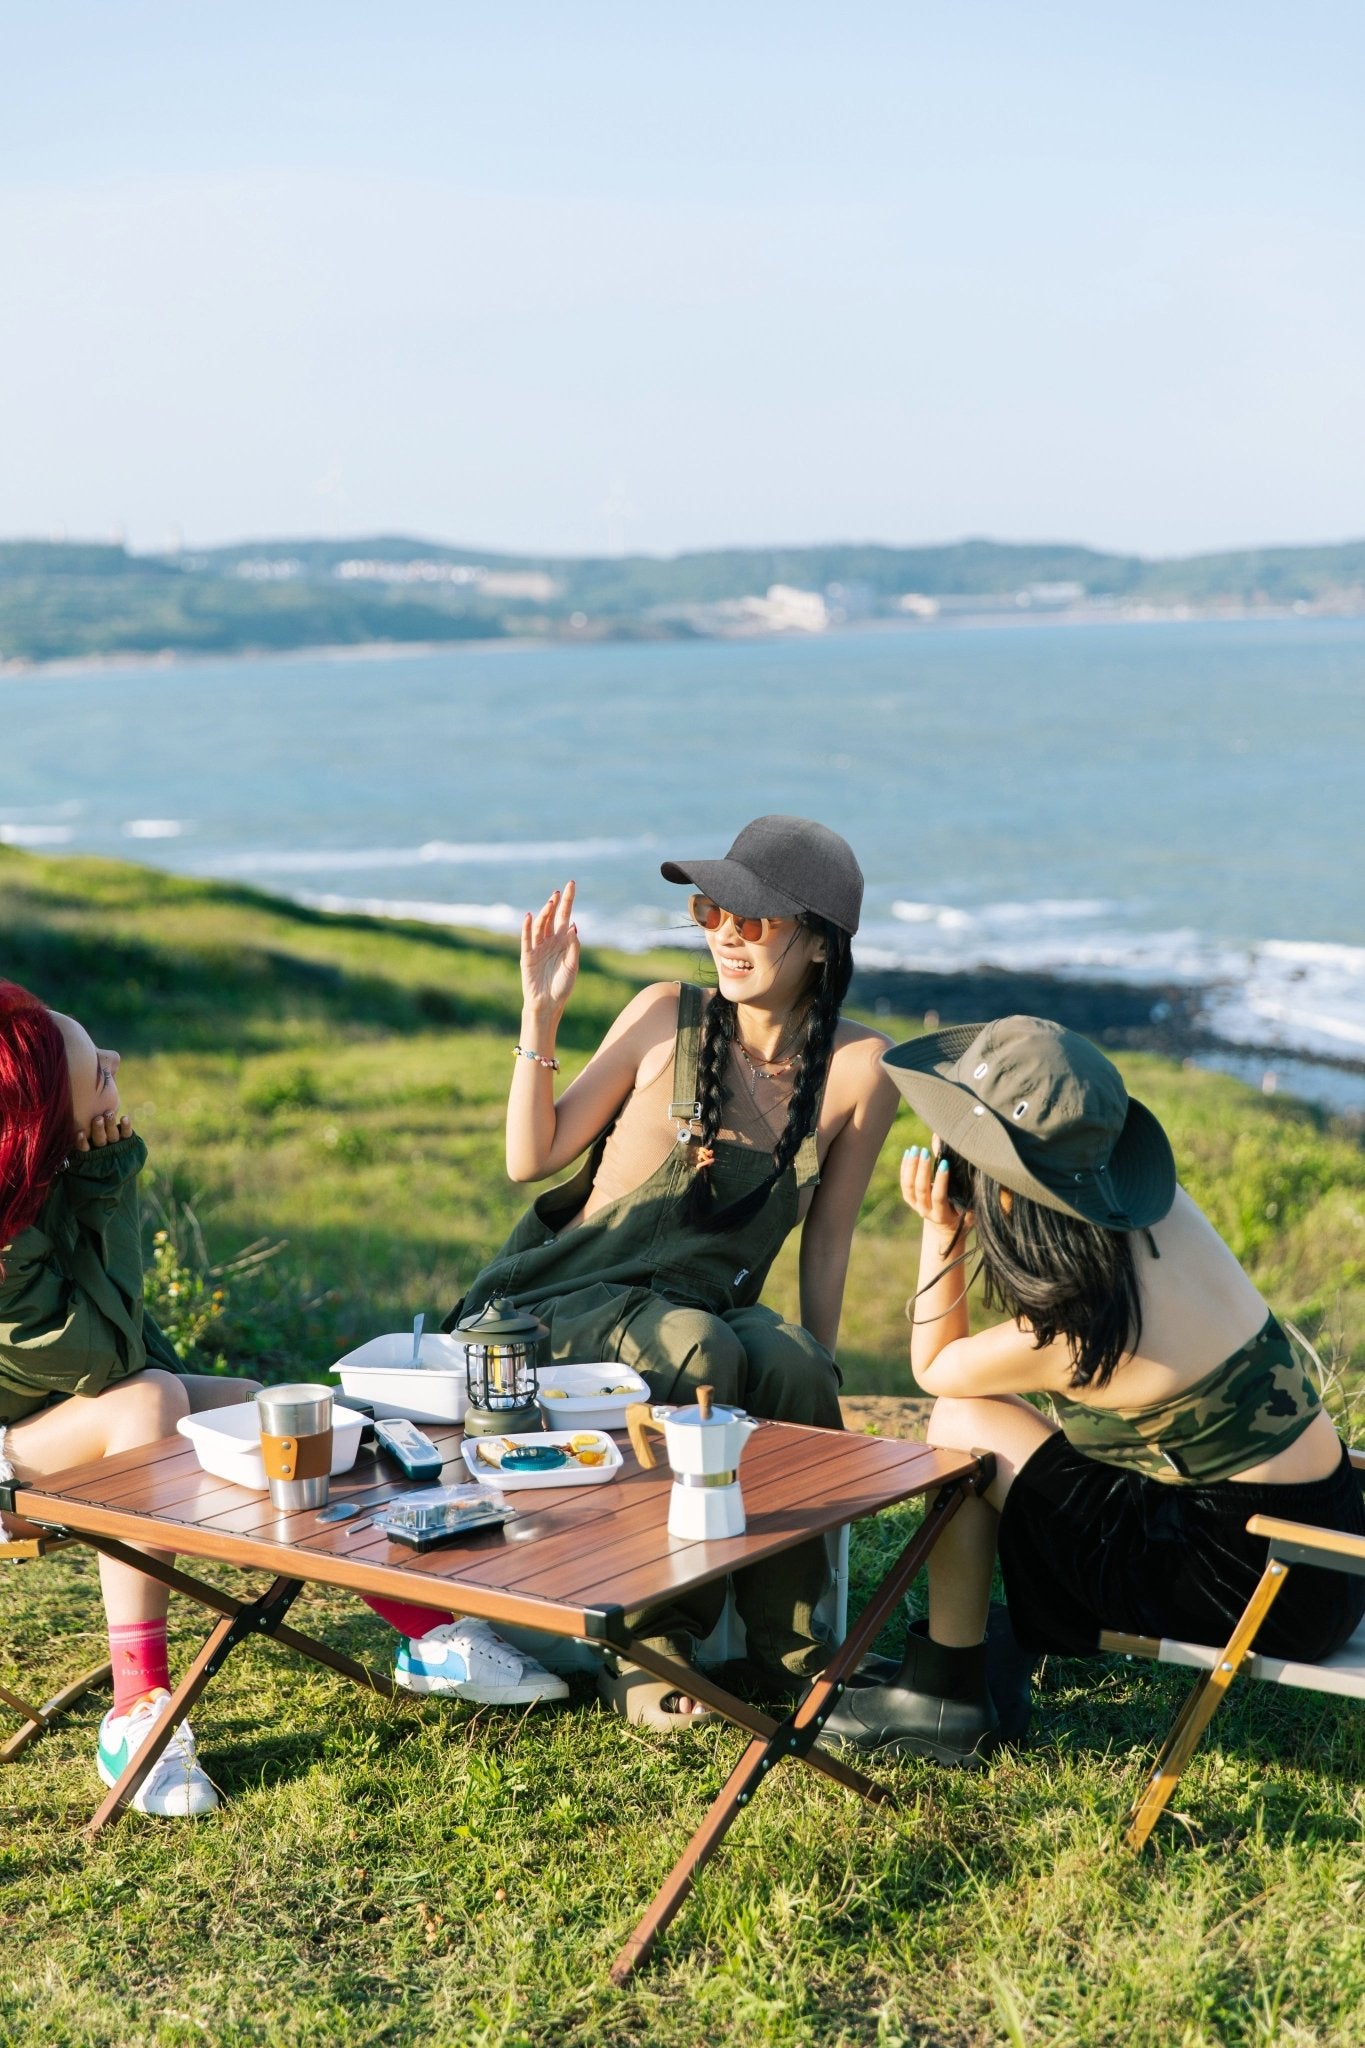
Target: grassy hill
{"points": [[339, 1082], [329, 1090]]}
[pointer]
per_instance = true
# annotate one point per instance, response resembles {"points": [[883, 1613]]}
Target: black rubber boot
{"points": [[936, 1706], [1009, 1674]]}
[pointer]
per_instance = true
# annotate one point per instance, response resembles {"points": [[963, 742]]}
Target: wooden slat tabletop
{"points": [[572, 1561]]}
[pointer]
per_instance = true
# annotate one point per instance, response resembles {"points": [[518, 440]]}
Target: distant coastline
{"points": [[171, 658], [76, 601]]}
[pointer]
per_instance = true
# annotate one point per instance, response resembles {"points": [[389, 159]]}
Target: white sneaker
{"points": [[175, 1785], [467, 1658]]}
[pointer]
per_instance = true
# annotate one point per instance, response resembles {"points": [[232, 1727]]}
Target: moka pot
{"points": [[703, 1445]]}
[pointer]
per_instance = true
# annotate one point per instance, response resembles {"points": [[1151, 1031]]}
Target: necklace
{"points": [[780, 1063], [765, 1070]]}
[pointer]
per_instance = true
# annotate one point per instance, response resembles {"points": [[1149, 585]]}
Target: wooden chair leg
{"points": [[36, 1719], [1200, 1708]]}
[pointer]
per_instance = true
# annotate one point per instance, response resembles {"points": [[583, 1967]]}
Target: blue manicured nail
{"points": [[911, 1152], [943, 1166]]}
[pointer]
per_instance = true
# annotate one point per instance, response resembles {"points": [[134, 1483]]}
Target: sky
{"points": [[609, 277]]}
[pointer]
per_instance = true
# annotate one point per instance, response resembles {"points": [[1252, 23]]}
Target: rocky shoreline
{"points": [[1163, 1017]]}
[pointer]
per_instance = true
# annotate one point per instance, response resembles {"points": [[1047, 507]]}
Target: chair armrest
{"points": [[1301, 1543], [1357, 1459]]}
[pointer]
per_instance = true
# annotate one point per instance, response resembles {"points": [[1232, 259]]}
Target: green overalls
{"points": [[638, 1283]]}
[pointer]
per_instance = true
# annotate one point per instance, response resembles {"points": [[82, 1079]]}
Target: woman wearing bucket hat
{"points": [[1182, 1408], [713, 1123]]}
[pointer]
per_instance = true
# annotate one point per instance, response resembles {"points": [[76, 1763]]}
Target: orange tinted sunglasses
{"points": [[755, 931]]}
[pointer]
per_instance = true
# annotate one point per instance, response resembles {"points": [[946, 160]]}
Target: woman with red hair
{"points": [[84, 1370]]}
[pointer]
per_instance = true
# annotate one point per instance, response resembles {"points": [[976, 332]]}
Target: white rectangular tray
{"points": [[563, 1475], [574, 1397]]}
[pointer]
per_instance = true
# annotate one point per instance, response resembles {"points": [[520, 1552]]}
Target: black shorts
{"points": [[1086, 1546]]}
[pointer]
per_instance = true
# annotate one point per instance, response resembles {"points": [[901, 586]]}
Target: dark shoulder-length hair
{"points": [[1057, 1273]]}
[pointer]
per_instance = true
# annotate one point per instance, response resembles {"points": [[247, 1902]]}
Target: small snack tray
{"points": [[441, 1514], [589, 1393], [483, 1457]]}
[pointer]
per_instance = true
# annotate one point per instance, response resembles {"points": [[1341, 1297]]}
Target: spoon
{"points": [[417, 1323]]}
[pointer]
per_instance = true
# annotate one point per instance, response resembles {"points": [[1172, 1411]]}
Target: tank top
{"points": [[1248, 1408]]}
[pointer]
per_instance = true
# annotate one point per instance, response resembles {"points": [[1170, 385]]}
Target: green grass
{"points": [[427, 1873]]}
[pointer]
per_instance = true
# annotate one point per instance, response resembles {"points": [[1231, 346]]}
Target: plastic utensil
{"points": [[417, 1323]]}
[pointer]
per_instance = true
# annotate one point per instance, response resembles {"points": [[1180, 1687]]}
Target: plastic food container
{"points": [[382, 1372], [574, 1394], [227, 1442], [571, 1473]]}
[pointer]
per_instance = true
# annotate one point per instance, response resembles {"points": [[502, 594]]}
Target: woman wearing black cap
{"points": [[713, 1124], [1183, 1409]]}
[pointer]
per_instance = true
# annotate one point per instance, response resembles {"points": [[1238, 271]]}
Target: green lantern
{"points": [[500, 1369]]}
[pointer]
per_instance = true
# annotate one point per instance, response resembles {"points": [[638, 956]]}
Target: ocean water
{"points": [[1158, 802]]}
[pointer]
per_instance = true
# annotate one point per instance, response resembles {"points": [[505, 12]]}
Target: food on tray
{"points": [[553, 1394], [585, 1447], [534, 1458]]}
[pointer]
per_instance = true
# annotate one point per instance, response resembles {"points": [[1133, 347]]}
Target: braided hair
{"points": [[830, 980]]}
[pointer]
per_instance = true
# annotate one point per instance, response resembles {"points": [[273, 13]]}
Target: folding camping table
{"points": [[579, 1562]]}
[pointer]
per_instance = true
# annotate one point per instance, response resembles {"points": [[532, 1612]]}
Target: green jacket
{"points": [[71, 1314]]}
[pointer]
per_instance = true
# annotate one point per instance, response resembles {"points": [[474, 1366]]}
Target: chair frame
{"points": [[22, 1543], [1289, 1543]]}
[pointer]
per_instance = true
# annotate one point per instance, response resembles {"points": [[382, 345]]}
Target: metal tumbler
{"points": [[296, 1444]]}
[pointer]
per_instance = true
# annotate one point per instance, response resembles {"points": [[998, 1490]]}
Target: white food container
{"points": [[382, 1373], [562, 1475], [227, 1442], [579, 1398]]}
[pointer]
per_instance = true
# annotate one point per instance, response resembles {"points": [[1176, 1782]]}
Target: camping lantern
{"points": [[500, 1369]]}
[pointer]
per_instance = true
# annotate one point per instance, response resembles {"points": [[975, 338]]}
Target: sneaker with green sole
{"points": [[175, 1787]]}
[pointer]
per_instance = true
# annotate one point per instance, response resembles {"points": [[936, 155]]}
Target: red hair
{"points": [[36, 1119]]}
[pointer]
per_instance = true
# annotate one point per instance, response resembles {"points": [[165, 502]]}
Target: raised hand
{"points": [[924, 1185], [549, 953], [105, 1129]]}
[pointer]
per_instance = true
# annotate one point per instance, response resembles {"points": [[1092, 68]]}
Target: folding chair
{"points": [[1343, 1672], [21, 1542]]}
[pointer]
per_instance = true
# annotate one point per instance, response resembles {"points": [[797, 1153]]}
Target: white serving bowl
{"points": [[575, 1394], [382, 1373], [227, 1442]]}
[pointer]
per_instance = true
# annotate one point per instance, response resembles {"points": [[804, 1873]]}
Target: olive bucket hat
{"points": [[778, 867], [1043, 1112]]}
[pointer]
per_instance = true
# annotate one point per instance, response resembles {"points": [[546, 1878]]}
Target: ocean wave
{"points": [[636, 929], [432, 853], [154, 828], [36, 835], [989, 916]]}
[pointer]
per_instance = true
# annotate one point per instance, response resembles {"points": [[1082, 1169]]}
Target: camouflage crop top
{"points": [[1245, 1410]]}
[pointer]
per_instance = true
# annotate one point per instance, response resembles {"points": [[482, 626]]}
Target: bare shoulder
{"points": [[856, 1061], [647, 1026]]}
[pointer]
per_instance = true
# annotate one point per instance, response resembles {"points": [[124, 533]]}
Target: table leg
{"points": [[237, 1620], [773, 1740], [223, 1603], [222, 1640]]}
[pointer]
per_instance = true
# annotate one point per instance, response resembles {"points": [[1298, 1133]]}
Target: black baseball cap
{"points": [[779, 867]]}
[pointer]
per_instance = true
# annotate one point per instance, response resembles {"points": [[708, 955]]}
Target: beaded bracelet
{"points": [[524, 1052]]}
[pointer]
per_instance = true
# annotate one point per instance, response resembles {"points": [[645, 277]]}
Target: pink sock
{"points": [[137, 1651], [406, 1617]]}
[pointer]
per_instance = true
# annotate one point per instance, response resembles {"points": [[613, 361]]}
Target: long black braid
{"points": [[831, 978]]}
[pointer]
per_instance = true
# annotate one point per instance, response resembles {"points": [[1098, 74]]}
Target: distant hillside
{"points": [[63, 599]]}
